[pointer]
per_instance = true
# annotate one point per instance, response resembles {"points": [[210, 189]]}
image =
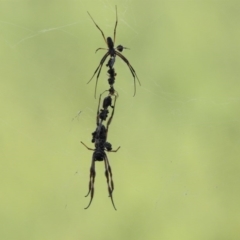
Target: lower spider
{"points": [[100, 155], [101, 145]]}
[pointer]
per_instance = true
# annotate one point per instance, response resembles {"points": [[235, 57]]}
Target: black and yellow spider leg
{"points": [[99, 68], [110, 189], [91, 181], [131, 69], [98, 28], [98, 109], [107, 175], [110, 174], [114, 38], [129, 65]]}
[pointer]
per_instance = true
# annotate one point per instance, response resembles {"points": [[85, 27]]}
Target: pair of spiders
{"points": [[100, 134]]}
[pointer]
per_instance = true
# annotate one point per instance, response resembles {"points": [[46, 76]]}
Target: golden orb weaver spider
{"points": [[112, 52]]}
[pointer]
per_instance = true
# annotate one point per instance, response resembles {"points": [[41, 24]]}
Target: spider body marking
{"points": [[112, 52]]}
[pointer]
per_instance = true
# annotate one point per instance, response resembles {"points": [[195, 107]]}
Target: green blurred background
{"points": [[177, 173]]}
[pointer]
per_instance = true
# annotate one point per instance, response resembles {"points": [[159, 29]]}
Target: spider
{"points": [[101, 145], [112, 52]]}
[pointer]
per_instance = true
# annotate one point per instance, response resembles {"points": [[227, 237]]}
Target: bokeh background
{"points": [[177, 173]]}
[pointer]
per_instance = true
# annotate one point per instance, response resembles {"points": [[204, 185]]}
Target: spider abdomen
{"points": [[99, 155], [110, 43]]}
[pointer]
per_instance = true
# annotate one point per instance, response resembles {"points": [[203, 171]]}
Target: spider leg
{"points": [[101, 49], [110, 173], [91, 181], [98, 28], [131, 69], [107, 173], [99, 68], [110, 119], [87, 147], [98, 109], [114, 150], [115, 26], [129, 65]]}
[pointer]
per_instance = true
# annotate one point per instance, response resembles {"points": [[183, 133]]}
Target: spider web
{"points": [[179, 135]]}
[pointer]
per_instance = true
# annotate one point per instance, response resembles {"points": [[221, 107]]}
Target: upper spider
{"points": [[112, 52]]}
